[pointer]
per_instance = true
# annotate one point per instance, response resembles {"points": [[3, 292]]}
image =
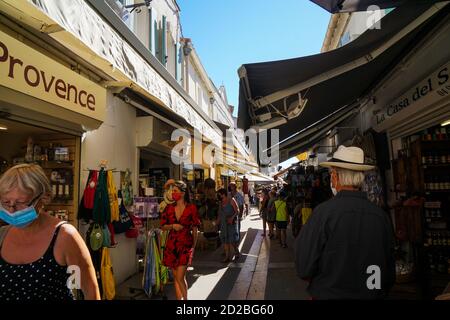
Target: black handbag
{"points": [[125, 222]]}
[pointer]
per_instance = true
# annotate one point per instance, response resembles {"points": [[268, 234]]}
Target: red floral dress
{"points": [[179, 243]]}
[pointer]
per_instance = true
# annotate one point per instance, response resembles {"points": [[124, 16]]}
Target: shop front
{"points": [[414, 115], [45, 108]]}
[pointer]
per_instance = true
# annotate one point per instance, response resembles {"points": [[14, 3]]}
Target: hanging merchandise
{"points": [[133, 232], [112, 234], [89, 191], [112, 195], [127, 189], [156, 275], [85, 213], [107, 275], [162, 245], [149, 268], [168, 187], [157, 282], [106, 236], [373, 186], [124, 223], [101, 213], [96, 237]]}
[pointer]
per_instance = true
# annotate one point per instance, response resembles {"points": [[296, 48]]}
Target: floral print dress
{"points": [[179, 243]]}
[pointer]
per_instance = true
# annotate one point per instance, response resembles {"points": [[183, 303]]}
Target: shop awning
{"points": [[258, 178], [332, 83], [338, 6]]}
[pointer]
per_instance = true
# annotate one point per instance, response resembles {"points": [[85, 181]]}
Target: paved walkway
{"points": [[264, 271]]}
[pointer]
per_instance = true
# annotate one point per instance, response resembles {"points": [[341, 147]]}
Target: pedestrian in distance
{"points": [[238, 197], [228, 220], [281, 218], [271, 213], [346, 248], [264, 210]]}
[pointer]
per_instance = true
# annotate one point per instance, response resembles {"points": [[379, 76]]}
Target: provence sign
{"points": [[432, 89], [26, 70]]}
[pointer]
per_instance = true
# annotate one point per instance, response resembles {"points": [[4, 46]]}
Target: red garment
{"points": [[245, 186], [179, 243]]}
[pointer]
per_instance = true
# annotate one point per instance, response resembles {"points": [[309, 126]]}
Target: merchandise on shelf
{"points": [[146, 207]]}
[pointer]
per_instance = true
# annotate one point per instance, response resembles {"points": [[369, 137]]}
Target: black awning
{"points": [[337, 6], [330, 94]]}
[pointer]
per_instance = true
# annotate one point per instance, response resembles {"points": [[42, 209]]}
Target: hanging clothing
{"points": [[108, 282], [179, 244], [127, 189], [43, 279], [102, 210], [86, 206], [113, 199], [89, 191]]}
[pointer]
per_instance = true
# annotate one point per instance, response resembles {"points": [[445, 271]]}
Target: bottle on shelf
{"points": [[29, 153], [55, 190], [424, 158], [431, 261], [51, 152]]}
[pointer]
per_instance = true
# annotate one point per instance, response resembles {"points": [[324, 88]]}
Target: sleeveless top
{"points": [[43, 279], [226, 211]]}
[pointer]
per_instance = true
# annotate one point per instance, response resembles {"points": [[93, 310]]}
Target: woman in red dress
{"points": [[182, 221]]}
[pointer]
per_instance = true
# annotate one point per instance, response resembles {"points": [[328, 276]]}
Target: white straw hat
{"points": [[351, 158]]}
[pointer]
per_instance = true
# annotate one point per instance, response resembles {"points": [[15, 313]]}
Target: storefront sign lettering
{"points": [[438, 84], [26, 70]]}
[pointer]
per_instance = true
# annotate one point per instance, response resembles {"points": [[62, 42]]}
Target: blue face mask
{"points": [[21, 218]]}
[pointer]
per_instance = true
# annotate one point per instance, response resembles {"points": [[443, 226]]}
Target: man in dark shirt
{"points": [[346, 249]]}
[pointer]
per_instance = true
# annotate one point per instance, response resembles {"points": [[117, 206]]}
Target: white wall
{"points": [[359, 22], [141, 26], [115, 141]]}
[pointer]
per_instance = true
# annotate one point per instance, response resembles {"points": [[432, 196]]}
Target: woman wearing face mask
{"points": [[36, 248], [182, 221]]}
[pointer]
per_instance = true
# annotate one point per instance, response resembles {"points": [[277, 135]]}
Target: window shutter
{"points": [[153, 31], [178, 62], [164, 41]]}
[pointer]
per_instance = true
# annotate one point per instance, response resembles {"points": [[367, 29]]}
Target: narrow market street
{"points": [[143, 144], [265, 271]]}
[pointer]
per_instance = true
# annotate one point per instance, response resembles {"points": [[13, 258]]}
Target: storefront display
{"points": [[57, 153], [422, 180]]}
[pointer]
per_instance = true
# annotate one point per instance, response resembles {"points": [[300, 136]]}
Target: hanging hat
{"points": [[351, 158]]}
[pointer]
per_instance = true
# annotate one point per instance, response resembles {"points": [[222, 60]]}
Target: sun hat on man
{"points": [[351, 158]]}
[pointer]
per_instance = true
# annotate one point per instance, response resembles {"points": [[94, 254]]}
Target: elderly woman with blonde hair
{"points": [[36, 249]]}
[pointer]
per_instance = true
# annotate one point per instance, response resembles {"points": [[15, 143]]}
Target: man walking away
{"points": [[346, 249]]}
